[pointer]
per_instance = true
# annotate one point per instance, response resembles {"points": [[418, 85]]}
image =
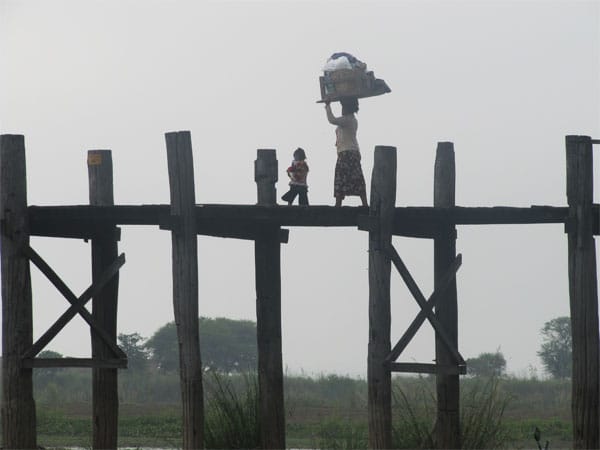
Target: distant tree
{"points": [[44, 375], [163, 347], [226, 345], [49, 354], [487, 365], [133, 346], [556, 348]]}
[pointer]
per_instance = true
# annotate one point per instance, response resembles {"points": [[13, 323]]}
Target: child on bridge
{"points": [[297, 172]]}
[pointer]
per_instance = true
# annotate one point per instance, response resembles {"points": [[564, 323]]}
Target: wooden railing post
{"points": [[267, 258], [583, 293], [382, 204], [448, 388], [18, 406], [185, 284], [105, 399]]}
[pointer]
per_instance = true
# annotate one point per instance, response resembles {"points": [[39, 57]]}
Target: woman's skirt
{"points": [[349, 179]]}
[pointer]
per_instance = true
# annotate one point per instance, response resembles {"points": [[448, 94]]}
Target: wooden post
{"points": [[383, 202], [268, 310], [105, 398], [583, 293], [447, 430], [18, 406], [185, 284]]}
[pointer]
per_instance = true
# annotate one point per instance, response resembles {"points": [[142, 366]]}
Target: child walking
{"points": [[297, 172]]}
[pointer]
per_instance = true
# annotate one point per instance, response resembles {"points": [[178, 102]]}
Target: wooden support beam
{"points": [[69, 231], [267, 257], [18, 406], [382, 202], [583, 294], [185, 285], [107, 363], [428, 368], [476, 215], [105, 396], [407, 228], [77, 303], [426, 307], [247, 230], [447, 430], [413, 221]]}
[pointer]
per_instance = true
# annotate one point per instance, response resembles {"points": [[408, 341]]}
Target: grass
{"points": [[331, 412]]}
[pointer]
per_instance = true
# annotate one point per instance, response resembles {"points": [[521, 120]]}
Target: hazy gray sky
{"points": [[504, 80]]}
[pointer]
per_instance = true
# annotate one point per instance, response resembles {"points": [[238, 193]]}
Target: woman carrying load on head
{"points": [[349, 179]]}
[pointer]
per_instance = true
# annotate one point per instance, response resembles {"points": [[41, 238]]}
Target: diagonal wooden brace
{"points": [[425, 305], [77, 304]]}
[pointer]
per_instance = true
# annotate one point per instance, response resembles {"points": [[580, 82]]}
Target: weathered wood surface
{"points": [[426, 307], [265, 176], [18, 406], [105, 396], [107, 363], [447, 429], [404, 367], [240, 229], [77, 303], [583, 294], [267, 257], [185, 285], [382, 202], [83, 221]]}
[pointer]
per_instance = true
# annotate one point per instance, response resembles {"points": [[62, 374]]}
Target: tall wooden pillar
{"points": [[583, 293], [105, 399], [447, 430], [18, 406], [382, 205], [185, 284], [268, 310]]}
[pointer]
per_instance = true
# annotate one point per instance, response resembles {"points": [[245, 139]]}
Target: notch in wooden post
{"points": [[265, 175]]}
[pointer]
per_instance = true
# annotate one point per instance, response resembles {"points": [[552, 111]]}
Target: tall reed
{"points": [[481, 413], [231, 419]]}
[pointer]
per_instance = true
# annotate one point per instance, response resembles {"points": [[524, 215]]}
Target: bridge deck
{"points": [[84, 221]]}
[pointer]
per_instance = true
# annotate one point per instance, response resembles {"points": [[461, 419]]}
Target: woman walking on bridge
{"points": [[349, 179]]}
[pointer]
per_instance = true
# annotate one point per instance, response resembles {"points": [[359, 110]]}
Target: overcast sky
{"points": [[504, 80]]}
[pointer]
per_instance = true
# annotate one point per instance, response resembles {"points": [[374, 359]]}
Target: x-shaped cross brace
{"points": [[77, 303], [426, 307]]}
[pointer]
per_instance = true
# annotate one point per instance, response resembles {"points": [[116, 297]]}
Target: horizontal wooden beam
{"points": [[427, 368], [249, 233], [81, 232], [494, 215], [230, 229], [114, 363], [410, 221]]}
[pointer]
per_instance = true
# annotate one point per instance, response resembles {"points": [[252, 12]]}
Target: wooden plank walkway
{"points": [[85, 221]]}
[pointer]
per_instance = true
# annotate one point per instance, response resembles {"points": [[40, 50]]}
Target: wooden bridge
{"points": [[100, 220]]}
